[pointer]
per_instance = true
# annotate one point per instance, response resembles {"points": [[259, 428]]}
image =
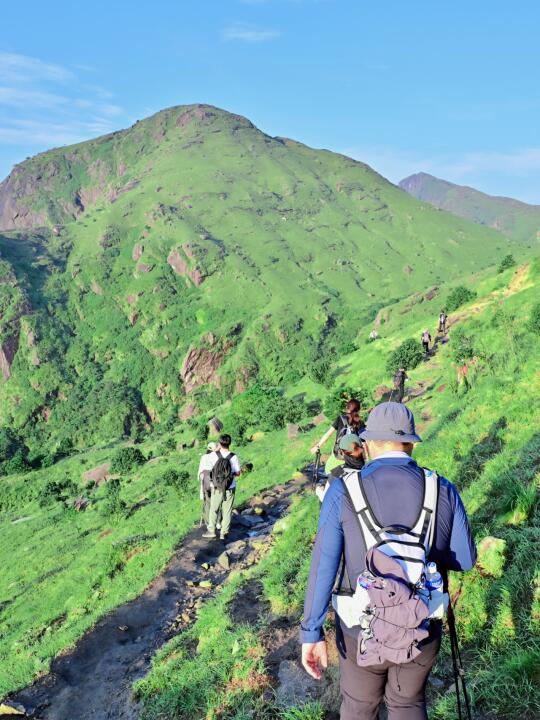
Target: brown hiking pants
{"points": [[402, 687]]}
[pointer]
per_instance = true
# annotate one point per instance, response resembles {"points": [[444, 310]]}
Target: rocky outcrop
{"points": [[180, 267], [138, 250], [97, 475], [8, 350], [199, 367]]}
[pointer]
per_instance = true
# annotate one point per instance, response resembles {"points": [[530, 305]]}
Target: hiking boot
{"points": [[209, 534], [223, 537]]}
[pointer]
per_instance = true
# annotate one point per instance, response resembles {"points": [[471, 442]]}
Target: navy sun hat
{"points": [[391, 421]]}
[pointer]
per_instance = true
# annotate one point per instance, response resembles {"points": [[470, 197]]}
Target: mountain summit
{"points": [[191, 252], [514, 218]]}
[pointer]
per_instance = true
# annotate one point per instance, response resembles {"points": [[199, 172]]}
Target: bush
{"points": [[335, 402], [57, 491], [534, 320], [265, 408], [10, 444], [113, 505], [458, 297], [462, 347], [125, 459], [506, 263], [176, 479], [408, 355], [319, 371], [16, 464]]}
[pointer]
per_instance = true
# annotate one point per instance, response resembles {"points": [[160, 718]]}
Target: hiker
{"points": [[205, 489], [399, 384], [352, 450], [224, 471], [443, 317], [383, 525], [426, 339], [350, 423], [373, 335]]}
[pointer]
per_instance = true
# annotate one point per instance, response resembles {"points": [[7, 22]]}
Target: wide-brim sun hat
{"points": [[391, 421], [348, 442], [212, 446]]}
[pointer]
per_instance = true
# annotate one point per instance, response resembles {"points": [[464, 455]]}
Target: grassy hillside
{"points": [[64, 569], [514, 218], [180, 259], [485, 439], [192, 266]]}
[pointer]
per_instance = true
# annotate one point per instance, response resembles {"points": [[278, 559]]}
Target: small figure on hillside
{"points": [[391, 503], [373, 335], [443, 317], [399, 384], [426, 339], [350, 423], [205, 489], [223, 473]]}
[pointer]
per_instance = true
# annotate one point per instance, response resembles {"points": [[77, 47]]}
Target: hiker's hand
{"points": [[315, 658], [315, 449]]}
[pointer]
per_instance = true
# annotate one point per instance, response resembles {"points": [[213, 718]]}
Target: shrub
{"points": [[506, 263], [319, 371], [199, 425], [335, 402], [57, 491], [458, 297], [125, 459], [176, 479], [462, 347], [408, 355], [534, 320], [113, 505], [265, 408], [16, 464]]}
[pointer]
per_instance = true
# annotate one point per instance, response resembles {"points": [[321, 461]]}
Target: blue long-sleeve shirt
{"points": [[394, 487]]}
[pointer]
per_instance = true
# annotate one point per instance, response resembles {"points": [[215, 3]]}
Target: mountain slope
{"points": [[173, 262], [514, 218]]}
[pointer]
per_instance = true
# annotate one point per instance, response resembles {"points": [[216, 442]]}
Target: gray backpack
{"points": [[389, 603]]}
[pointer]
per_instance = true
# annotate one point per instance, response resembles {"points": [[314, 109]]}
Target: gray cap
{"points": [[391, 421]]}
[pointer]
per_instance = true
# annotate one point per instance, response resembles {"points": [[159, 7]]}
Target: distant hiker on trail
{"points": [[426, 339], [373, 335], [352, 449], [223, 473], [399, 385], [205, 488], [350, 423], [443, 317], [378, 530]]}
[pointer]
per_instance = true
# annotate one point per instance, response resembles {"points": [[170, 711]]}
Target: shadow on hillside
{"points": [[472, 465], [447, 419], [509, 485]]}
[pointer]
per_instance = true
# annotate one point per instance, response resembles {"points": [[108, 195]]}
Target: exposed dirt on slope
{"points": [[93, 681]]}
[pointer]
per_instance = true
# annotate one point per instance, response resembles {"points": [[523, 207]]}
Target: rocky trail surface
{"points": [[94, 680]]}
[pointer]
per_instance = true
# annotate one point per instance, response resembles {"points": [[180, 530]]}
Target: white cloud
{"points": [[244, 33], [43, 104], [22, 68]]}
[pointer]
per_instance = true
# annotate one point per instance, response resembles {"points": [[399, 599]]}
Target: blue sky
{"points": [[448, 88]]}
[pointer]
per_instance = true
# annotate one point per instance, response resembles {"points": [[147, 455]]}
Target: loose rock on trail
{"points": [[93, 681]]}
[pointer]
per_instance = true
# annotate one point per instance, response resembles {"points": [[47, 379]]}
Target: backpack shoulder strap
{"points": [[425, 525], [352, 479]]}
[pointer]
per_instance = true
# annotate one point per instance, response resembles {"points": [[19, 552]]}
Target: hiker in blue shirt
{"points": [[394, 488]]}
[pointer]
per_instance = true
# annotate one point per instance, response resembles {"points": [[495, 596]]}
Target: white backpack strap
{"points": [[368, 525], [425, 525]]}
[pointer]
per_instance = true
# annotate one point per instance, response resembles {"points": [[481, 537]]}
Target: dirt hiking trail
{"points": [[93, 681]]}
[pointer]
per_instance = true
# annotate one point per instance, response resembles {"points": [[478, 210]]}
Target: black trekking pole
{"points": [[459, 673], [317, 467]]}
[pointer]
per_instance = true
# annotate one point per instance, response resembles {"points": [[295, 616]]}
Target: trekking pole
{"points": [[459, 673], [317, 467]]}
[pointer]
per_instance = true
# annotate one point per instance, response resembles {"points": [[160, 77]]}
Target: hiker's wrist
{"points": [[310, 637]]}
